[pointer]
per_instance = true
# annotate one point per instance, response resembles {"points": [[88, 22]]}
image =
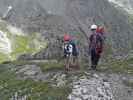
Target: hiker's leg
{"points": [[70, 60], [76, 62], [73, 61], [97, 59], [74, 54], [92, 58], [67, 62], [95, 63]]}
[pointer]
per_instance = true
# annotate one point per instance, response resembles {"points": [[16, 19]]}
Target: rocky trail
{"points": [[85, 85], [94, 88]]}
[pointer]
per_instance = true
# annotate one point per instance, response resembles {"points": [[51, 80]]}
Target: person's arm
{"points": [[90, 41]]}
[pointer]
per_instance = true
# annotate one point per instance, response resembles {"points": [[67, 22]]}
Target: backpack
{"points": [[68, 48], [97, 43], [75, 48]]}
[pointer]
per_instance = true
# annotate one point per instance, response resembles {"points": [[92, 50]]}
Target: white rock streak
{"points": [[125, 4], [5, 44]]}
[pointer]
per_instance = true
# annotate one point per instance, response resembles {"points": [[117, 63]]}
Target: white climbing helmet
{"points": [[9, 7], [93, 27]]}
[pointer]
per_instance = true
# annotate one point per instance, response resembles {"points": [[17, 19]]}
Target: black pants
{"points": [[94, 59]]}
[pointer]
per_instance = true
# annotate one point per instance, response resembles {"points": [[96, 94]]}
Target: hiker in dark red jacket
{"points": [[95, 46]]}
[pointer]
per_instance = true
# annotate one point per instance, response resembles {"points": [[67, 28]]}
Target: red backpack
{"points": [[97, 42]]}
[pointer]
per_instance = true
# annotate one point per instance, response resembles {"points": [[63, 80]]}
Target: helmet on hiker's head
{"points": [[93, 27], [67, 37]]}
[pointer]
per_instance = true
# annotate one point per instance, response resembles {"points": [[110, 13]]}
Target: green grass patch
{"points": [[118, 66], [48, 66], [9, 85], [21, 44], [26, 44], [4, 57], [21, 62], [129, 84], [130, 61]]}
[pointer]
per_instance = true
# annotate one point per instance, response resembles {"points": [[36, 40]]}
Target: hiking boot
{"points": [[93, 67]]}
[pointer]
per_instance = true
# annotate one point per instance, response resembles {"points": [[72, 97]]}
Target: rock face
{"points": [[125, 4], [100, 87], [86, 9], [91, 89], [5, 45], [56, 17]]}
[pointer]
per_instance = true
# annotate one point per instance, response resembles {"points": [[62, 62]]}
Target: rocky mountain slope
{"points": [[55, 17], [125, 4], [32, 31]]}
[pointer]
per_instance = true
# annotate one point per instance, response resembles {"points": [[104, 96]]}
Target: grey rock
{"points": [[30, 73], [85, 97], [72, 97], [93, 89], [77, 92], [84, 90]]}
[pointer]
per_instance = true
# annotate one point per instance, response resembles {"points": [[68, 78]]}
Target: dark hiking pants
{"points": [[94, 59]]}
